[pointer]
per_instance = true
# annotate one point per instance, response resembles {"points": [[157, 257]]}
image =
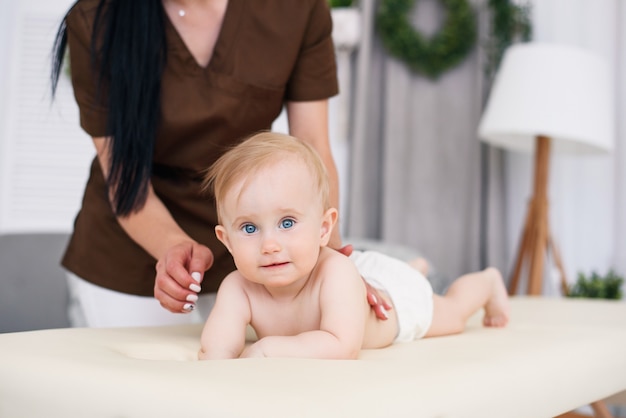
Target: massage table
{"points": [[555, 355]]}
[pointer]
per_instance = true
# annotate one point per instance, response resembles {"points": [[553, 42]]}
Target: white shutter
{"points": [[44, 154]]}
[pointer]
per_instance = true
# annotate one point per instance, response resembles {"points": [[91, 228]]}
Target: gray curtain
{"points": [[419, 175]]}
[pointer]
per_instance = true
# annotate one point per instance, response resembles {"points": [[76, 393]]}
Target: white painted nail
{"points": [[189, 307], [194, 287], [192, 298], [196, 276], [384, 311]]}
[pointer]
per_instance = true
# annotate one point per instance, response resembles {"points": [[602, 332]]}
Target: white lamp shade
{"points": [[559, 91]]}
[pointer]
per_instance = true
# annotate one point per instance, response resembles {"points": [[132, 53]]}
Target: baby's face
{"points": [[273, 223]]}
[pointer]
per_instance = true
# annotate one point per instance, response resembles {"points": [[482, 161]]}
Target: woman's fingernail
{"points": [[194, 287], [375, 299], [189, 307], [384, 312], [196, 276], [192, 298]]}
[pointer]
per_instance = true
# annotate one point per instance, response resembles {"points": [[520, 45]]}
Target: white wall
{"points": [[582, 189], [44, 154], [620, 173]]}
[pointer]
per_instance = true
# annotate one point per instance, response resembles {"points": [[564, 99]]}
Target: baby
{"points": [[302, 298]]}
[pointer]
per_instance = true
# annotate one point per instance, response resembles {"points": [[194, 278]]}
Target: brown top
{"points": [[268, 52]]}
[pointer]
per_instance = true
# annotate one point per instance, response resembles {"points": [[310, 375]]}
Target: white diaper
{"points": [[410, 292]]}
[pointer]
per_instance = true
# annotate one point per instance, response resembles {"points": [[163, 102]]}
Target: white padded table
{"points": [[555, 355]]}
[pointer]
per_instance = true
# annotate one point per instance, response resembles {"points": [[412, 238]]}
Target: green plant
{"points": [[433, 56], [510, 23], [596, 286], [428, 56], [340, 3]]}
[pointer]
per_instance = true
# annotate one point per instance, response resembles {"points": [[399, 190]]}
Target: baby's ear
{"points": [[329, 220], [222, 235]]}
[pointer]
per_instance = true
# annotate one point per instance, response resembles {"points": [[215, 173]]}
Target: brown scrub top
{"points": [[268, 52]]}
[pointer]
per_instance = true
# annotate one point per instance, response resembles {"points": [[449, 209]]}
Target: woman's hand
{"points": [[180, 266], [179, 276], [377, 303]]}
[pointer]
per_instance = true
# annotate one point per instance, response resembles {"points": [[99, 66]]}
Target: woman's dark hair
{"points": [[128, 51]]}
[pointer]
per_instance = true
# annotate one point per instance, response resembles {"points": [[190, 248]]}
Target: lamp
{"points": [[547, 96]]}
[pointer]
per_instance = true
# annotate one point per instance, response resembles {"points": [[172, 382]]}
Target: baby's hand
{"points": [[253, 351]]}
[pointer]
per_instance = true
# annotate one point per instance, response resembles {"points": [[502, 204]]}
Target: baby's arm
{"points": [[343, 310], [224, 333]]}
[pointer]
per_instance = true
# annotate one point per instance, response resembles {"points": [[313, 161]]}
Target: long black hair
{"points": [[128, 54]]}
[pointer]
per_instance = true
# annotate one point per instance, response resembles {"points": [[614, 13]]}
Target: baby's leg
{"points": [[469, 293]]}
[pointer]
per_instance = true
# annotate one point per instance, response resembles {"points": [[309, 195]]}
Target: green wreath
{"points": [[510, 23], [431, 57]]}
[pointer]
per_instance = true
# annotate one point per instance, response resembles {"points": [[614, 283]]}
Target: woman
{"points": [[164, 87]]}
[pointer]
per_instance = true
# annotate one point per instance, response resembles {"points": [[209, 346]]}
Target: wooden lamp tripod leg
{"points": [[536, 237], [540, 199], [559, 265], [537, 241]]}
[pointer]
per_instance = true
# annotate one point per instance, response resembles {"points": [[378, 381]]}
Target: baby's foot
{"points": [[420, 264], [497, 307]]}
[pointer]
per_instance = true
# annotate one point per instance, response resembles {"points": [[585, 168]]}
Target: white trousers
{"points": [[97, 307]]}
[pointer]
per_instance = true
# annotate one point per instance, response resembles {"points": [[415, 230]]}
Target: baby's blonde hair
{"points": [[257, 152]]}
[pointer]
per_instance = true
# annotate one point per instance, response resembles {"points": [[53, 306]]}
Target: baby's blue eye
{"points": [[249, 228], [287, 223]]}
